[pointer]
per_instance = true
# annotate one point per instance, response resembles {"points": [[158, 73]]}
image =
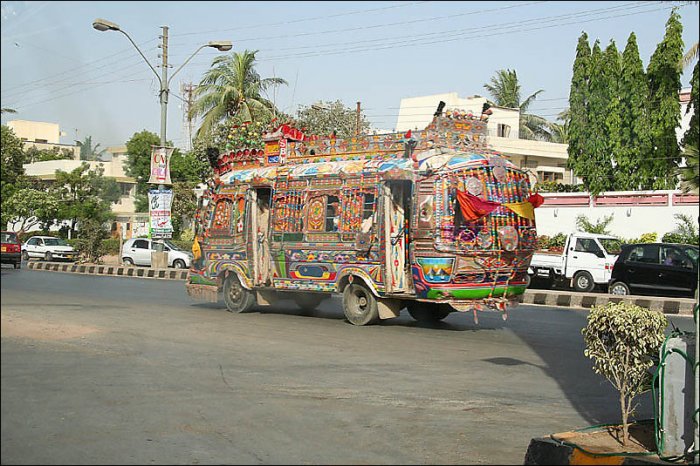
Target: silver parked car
{"points": [[137, 251], [48, 248]]}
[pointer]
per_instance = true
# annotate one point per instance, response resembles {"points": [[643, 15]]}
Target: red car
{"points": [[11, 249]]}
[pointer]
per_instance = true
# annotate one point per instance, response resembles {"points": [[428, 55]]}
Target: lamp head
{"points": [[221, 45], [104, 25]]}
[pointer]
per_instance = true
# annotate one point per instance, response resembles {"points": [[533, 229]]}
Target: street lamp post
{"points": [[103, 25]]}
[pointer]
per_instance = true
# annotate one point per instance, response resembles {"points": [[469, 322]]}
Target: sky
{"points": [[56, 68]]}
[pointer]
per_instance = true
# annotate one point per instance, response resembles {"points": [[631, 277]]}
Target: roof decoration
{"points": [[250, 146]]}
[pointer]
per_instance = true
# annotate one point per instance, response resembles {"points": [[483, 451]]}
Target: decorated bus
{"points": [[430, 221]]}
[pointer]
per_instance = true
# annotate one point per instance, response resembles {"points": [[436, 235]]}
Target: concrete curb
{"points": [[546, 450], [112, 270], [673, 306], [573, 299]]}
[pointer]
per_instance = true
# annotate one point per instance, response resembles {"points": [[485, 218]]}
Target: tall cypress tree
{"points": [[597, 144], [578, 132], [664, 85], [612, 69], [635, 126]]}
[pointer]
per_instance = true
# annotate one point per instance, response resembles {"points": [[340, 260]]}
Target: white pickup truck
{"points": [[587, 261]]}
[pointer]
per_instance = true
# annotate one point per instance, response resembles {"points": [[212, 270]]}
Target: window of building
{"points": [[503, 130]]}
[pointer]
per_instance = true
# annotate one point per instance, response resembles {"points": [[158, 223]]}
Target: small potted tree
{"points": [[624, 340]]}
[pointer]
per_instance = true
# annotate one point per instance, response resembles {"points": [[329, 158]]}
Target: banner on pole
{"points": [[160, 202], [160, 165]]}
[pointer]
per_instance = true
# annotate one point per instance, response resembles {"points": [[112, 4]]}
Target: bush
{"points": [[624, 341], [111, 246], [89, 243], [182, 244], [645, 238], [686, 231]]}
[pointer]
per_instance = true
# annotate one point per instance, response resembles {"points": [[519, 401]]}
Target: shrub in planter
{"points": [[624, 340], [111, 246]]}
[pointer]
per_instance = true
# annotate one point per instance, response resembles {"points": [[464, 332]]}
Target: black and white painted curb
{"points": [[113, 270], [675, 306]]}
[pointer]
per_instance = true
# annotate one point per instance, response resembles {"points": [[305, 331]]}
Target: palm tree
{"points": [[505, 90], [8, 110], [87, 151], [693, 53], [690, 174], [232, 89]]}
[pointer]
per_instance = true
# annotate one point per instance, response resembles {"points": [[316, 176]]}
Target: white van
{"points": [[587, 261], [137, 251]]}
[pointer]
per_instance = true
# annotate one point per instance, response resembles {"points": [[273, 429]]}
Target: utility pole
{"points": [[357, 120]]}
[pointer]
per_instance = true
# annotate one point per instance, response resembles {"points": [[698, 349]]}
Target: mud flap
{"points": [[206, 293], [266, 298], [389, 308]]}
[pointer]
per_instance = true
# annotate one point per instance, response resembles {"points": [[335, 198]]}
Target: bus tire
{"points": [[427, 312], [583, 282], [360, 305], [237, 298], [308, 301]]}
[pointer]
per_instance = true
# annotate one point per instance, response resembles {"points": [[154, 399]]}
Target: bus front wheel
{"points": [[360, 305], [237, 298]]}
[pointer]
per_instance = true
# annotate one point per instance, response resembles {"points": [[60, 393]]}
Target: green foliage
{"points": [[187, 235], [635, 135], [504, 88], [12, 176], [323, 118], [185, 245], [579, 131], [645, 238], [555, 187], [110, 246], [664, 85], [88, 151], [233, 89], [692, 135], [89, 242], [85, 195], [686, 231], [138, 164], [34, 154], [623, 340], [27, 207], [551, 242], [183, 207], [612, 119], [599, 227]]}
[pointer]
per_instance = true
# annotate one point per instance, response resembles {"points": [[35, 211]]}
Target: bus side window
{"points": [[332, 213]]}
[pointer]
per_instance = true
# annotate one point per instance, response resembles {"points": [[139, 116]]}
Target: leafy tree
{"points": [[233, 90], [692, 135], [686, 231], [34, 154], [138, 164], [190, 166], [505, 90], [598, 176], [600, 226], [579, 131], [13, 157], [184, 205], [324, 118], [85, 194], [27, 207], [664, 85], [90, 239], [635, 126], [88, 151], [612, 119], [623, 340]]}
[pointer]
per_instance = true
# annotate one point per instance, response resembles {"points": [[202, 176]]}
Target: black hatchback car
{"points": [[661, 269]]}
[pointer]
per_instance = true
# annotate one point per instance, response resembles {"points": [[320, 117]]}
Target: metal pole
{"points": [[159, 244], [357, 120]]}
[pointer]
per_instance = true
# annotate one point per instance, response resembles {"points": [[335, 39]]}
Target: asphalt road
{"points": [[110, 370]]}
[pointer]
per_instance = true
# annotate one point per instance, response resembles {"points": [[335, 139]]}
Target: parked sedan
{"points": [[48, 248], [11, 249], [661, 269], [137, 251]]}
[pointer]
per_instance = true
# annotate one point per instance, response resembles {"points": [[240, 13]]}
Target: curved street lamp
{"points": [[103, 25]]}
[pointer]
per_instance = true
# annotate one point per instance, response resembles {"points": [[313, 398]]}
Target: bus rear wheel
{"points": [[360, 305], [237, 298], [427, 312]]}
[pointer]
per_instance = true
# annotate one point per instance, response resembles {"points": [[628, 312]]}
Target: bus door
{"points": [[396, 202], [259, 201]]}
